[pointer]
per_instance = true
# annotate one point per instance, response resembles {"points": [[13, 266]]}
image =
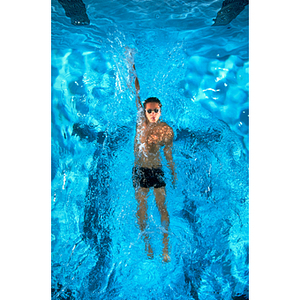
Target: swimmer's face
{"points": [[152, 111]]}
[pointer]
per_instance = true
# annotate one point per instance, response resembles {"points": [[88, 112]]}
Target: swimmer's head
{"points": [[152, 108], [152, 99]]}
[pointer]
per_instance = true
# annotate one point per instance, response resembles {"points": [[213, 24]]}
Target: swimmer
{"points": [[151, 135]]}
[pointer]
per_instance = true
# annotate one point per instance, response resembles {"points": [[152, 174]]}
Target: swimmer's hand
{"points": [[129, 53]]}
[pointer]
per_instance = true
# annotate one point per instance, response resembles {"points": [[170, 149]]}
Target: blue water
{"points": [[201, 74]]}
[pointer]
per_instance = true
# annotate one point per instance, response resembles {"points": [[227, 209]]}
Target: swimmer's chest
{"points": [[151, 136]]}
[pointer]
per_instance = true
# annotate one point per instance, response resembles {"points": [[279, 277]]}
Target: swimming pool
{"points": [[200, 73]]}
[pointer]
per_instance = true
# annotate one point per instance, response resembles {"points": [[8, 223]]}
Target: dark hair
{"points": [[152, 99]]}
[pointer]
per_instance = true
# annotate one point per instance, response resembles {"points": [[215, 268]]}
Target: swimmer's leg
{"points": [[160, 198], [141, 197]]}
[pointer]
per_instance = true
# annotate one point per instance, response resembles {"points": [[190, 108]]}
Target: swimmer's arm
{"points": [[169, 156], [139, 106], [137, 89], [136, 154], [132, 71]]}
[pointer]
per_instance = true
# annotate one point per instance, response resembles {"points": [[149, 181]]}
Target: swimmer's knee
{"points": [[140, 191], [161, 191]]}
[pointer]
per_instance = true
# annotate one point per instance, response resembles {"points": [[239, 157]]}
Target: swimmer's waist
{"points": [[154, 168]]}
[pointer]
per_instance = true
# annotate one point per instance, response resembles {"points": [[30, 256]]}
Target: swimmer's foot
{"points": [[149, 250], [166, 256]]}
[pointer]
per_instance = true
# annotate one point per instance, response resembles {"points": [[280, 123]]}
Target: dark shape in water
{"points": [[96, 214], [229, 11], [60, 293], [85, 132], [241, 297], [75, 9], [97, 205]]}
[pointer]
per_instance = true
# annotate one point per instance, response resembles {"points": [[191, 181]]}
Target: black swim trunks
{"points": [[146, 178]]}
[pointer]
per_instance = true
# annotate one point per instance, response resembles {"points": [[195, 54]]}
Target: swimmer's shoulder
{"points": [[166, 128], [167, 133]]}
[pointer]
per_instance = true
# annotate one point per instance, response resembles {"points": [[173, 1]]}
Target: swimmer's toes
{"points": [[149, 251], [150, 255]]}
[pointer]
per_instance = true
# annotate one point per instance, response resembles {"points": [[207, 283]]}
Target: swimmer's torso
{"points": [[148, 141]]}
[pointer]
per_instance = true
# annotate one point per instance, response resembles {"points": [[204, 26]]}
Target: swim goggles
{"points": [[149, 111]]}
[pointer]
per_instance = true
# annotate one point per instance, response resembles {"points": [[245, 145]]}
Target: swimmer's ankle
{"points": [[166, 256]]}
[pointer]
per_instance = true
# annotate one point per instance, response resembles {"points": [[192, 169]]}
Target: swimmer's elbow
{"points": [[168, 150]]}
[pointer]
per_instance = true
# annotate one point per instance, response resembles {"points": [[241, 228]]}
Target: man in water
{"points": [[151, 135]]}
